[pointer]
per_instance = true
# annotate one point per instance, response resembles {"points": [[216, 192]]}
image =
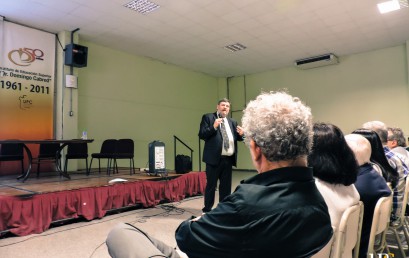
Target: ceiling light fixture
{"points": [[392, 5], [235, 47], [142, 6]]}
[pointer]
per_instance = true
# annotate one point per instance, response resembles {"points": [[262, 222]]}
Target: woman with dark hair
{"points": [[378, 156], [335, 170]]}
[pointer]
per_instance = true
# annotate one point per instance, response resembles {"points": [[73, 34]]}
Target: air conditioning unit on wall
{"points": [[316, 61]]}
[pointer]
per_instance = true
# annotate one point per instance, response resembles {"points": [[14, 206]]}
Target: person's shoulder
{"points": [[396, 159], [401, 153], [370, 169], [321, 185], [208, 115], [376, 167], [371, 182], [252, 189], [245, 199], [378, 178], [339, 189], [392, 159], [245, 191]]}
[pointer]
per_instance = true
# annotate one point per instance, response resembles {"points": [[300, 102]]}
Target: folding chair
{"points": [[380, 225], [77, 151], [48, 153], [125, 150], [348, 235], [400, 224], [108, 150]]}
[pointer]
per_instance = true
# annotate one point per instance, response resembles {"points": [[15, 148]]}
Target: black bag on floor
{"points": [[183, 164]]}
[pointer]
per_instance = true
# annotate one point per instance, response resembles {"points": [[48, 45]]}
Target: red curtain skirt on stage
{"points": [[34, 214]]}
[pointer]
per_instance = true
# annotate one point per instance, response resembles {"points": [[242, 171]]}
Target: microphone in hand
{"points": [[218, 121]]}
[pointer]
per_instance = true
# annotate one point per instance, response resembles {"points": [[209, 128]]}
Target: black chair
{"points": [[12, 152], [107, 151], [125, 150], [77, 151], [48, 153]]}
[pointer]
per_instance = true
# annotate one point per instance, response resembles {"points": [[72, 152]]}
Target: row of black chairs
{"points": [[111, 149]]}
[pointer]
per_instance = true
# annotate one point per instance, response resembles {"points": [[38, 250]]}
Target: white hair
{"points": [[360, 146], [281, 125], [379, 128]]}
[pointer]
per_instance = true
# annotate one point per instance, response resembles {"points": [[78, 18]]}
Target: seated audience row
{"points": [[370, 185], [344, 175]]}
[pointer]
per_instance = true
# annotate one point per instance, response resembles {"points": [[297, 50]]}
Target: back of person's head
{"points": [[379, 128], [377, 153], [360, 146], [331, 158], [281, 125], [398, 135]]}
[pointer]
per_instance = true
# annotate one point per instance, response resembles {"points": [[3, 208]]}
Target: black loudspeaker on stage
{"points": [[76, 55]]}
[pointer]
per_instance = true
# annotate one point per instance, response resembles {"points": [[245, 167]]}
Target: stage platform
{"points": [[32, 206]]}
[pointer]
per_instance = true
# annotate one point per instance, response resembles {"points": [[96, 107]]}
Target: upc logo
{"points": [[24, 102], [25, 56]]}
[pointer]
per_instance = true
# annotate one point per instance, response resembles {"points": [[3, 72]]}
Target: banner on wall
{"points": [[27, 70], [27, 67]]}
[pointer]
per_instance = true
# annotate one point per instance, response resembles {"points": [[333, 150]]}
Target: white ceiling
{"points": [[192, 33]]}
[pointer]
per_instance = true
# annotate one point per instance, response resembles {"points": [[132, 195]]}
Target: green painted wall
{"points": [[126, 96]]}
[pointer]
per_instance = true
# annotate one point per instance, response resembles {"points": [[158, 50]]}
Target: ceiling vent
{"points": [[235, 47], [316, 61], [142, 6]]}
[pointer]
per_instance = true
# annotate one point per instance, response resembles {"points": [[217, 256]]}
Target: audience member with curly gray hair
{"points": [[281, 125]]}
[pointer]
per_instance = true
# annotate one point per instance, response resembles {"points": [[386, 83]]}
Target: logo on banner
{"points": [[25, 103], [25, 56]]}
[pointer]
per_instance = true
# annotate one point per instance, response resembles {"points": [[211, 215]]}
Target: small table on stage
{"points": [[62, 143]]}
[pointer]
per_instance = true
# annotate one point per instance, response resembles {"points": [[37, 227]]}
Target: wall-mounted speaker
{"points": [[76, 55]]}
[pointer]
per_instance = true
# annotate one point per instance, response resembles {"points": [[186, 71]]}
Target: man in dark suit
{"points": [[220, 134]]}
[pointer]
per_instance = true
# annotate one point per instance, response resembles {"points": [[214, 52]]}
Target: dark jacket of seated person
{"points": [[279, 213]]}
